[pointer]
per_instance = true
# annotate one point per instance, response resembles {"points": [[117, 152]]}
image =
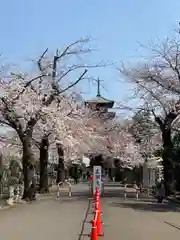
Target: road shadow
{"points": [[147, 205], [119, 193], [110, 194]]}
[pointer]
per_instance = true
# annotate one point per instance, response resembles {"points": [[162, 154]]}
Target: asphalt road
{"points": [[68, 219]]}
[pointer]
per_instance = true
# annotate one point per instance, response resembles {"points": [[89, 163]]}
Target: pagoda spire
{"points": [[98, 88]]}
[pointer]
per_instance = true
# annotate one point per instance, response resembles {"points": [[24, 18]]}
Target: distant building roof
{"points": [[99, 99]]}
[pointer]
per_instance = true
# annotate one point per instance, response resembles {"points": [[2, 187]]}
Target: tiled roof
{"points": [[100, 99]]}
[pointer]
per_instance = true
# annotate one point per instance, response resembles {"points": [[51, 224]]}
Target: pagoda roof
{"points": [[99, 99]]}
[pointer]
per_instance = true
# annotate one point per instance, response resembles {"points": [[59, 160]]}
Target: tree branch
{"points": [[27, 85], [31, 123], [40, 60], [160, 122], [74, 83]]}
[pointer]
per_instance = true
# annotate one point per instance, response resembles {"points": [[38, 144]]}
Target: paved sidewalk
{"points": [[67, 219], [133, 220], [44, 220]]}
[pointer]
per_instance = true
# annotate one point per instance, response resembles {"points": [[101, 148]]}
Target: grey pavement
{"points": [[68, 219], [133, 219], [46, 219]]}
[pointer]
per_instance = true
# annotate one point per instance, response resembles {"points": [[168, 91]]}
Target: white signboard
{"points": [[97, 178]]}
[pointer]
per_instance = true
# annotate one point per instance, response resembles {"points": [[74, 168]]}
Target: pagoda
{"points": [[100, 103]]}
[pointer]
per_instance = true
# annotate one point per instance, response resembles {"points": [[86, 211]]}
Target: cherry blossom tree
{"points": [[75, 130], [156, 84], [71, 128], [119, 142], [24, 97], [146, 133], [123, 146]]}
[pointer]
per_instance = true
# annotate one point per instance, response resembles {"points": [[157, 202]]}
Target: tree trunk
{"points": [[167, 158], [44, 146], [60, 169], [27, 162], [165, 127]]}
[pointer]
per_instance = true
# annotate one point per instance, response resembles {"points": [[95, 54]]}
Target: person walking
{"points": [[160, 191]]}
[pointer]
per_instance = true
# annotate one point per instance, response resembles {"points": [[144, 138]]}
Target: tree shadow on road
{"points": [[148, 206]]}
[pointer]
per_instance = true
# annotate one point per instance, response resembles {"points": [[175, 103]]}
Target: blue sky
{"points": [[28, 27]]}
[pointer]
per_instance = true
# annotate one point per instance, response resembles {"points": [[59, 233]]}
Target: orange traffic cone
{"points": [[96, 198], [99, 222], [94, 206], [99, 225], [94, 234], [98, 204], [96, 195], [99, 201]]}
